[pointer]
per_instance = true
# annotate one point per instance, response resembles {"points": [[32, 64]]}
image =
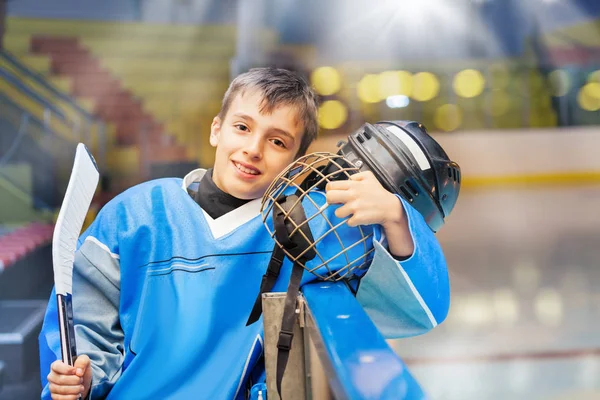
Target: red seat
{"points": [[23, 240]]}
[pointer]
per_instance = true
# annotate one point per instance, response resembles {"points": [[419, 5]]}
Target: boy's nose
{"points": [[254, 149]]}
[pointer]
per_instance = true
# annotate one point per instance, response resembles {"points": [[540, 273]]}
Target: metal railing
{"points": [[79, 122], [24, 138]]}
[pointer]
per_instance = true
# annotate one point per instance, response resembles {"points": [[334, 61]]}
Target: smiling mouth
{"points": [[246, 170]]}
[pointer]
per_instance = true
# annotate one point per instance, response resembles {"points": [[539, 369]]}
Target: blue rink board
{"points": [[358, 360]]}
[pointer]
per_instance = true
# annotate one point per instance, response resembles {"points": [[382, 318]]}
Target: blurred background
{"points": [[510, 88]]}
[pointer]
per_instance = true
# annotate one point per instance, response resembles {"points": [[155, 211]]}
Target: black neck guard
{"points": [[213, 200]]}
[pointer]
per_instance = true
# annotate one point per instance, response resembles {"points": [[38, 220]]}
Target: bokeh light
{"points": [[425, 86], [469, 83], [594, 77], [589, 96], [326, 80], [548, 307], [506, 306], [398, 101], [394, 83], [540, 101], [530, 82], [536, 81], [499, 76], [368, 89], [592, 89], [448, 117], [560, 82], [496, 103], [332, 114]]}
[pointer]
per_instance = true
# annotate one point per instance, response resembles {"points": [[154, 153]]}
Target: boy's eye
{"points": [[279, 143], [241, 127]]}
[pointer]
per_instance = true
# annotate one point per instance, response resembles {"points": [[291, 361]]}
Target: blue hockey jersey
{"points": [[162, 292]]}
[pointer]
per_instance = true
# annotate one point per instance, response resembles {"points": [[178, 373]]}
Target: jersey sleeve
{"points": [[96, 296], [409, 297]]}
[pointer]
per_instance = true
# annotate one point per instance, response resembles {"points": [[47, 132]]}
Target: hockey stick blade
{"points": [[80, 190]]}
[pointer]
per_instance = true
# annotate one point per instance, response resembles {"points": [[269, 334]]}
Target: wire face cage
{"points": [[340, 251]]}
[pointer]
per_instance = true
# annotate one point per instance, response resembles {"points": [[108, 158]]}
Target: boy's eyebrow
{"points": [[284, 133], [244, 116], [278, 130]]}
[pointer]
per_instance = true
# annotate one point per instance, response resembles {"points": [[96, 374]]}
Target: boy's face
{"points": [[253, 148]]}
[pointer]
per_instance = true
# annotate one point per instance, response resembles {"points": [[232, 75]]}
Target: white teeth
{"points": [[246, 170]]}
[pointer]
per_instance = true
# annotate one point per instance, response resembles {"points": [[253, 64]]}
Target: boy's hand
{"points": [[367, 202], [68, 382]]}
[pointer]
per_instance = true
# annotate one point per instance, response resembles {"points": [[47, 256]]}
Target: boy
{"points": [[163, 282]]}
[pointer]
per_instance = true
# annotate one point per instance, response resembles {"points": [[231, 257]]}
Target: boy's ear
{"points": [[215, 130]]}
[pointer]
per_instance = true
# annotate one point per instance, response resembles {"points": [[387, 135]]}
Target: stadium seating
{"points": [[16, 243], [170, 79], [25, 285], [4, 229], [179, 72], [167, 80], [111, 101], [49, 156], [131, 53]]}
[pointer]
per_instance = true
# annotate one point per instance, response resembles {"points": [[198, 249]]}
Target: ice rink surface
{"points": [[524, 322]]}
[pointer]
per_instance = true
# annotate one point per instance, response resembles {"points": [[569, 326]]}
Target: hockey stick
{"points": [[80, 190]]}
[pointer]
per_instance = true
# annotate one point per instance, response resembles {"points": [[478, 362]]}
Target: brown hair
{"points": [[279, 87]]}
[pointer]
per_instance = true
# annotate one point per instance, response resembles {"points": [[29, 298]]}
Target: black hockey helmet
{"points": [[409, 162]]}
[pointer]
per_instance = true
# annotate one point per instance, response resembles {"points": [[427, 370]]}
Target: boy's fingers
{"points": [[61, 368], [337, 196], [82, 362], [362, 176], [354, 222], [337, 185], [343, 212], [65, 397], [66, 390], [67, 380]]}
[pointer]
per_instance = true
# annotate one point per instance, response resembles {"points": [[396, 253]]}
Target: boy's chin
{"points": [[242, 194]]}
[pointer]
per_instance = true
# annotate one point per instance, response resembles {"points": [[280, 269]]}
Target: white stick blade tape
{"points": [[80, 191]]}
